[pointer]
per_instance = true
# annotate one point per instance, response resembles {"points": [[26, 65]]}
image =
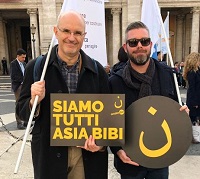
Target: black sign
{"points": [[74, 117], [158, 134]]}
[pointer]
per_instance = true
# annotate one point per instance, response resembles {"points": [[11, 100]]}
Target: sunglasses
{"points": [[134, 42]]}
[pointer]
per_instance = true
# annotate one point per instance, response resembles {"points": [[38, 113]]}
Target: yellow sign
{"points": [[74, 117]]}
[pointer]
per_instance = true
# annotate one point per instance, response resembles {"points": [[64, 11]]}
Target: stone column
{"points": [[47, 21], [116, 33], [2, 40], [109, 37], [33, 20], [13, 40], [195, 30], [134, 10], [124, 20], [179, 38], [188, 30], [6, 43]]}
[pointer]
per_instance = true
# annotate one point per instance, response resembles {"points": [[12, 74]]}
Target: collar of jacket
{"points": [[87, 62], [158, 65], [166, 85]]}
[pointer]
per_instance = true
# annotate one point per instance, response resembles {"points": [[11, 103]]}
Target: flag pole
{"points": [[161, 45], [33, 109], [170, 57], [167, 55], [66, 3]]}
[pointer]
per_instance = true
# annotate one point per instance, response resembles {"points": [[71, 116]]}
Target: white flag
{"points": [[150, 17], [69, 5], [94, 14], [162, 44]]}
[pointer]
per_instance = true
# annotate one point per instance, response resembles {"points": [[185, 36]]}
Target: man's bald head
{"points": [[71, 14]]}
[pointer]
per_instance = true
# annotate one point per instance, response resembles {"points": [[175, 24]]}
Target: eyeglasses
{"points": [[68, 32], [134, 42]]}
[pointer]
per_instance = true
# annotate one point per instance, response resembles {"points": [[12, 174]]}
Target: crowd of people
{"points": [[136, 75]]}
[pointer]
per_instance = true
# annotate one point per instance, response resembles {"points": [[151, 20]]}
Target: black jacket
{"points": [[193, 92], [16, 74], [118, 66], [164, 81], [51, 162]]}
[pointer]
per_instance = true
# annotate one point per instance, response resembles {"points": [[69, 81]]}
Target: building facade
{"points": [[17, 16]]}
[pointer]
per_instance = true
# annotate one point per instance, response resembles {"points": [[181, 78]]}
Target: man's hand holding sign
{"points": [[63, 107], [131, 112], [91, 146], [37, 88]]}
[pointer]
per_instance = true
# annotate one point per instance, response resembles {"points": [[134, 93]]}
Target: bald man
{"points": [[70, 70]]}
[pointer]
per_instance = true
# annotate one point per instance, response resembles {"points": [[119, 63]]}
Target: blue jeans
{"points": [[162, 173]]}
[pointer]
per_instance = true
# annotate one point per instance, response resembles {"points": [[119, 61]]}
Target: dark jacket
{"points": [[193, 92], [51, 162], [163, 79], [16, 74], [118, 66]]}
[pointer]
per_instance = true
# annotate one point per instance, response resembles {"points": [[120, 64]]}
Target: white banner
{"points": [[150, 17], [94, 14], [162, 44]]}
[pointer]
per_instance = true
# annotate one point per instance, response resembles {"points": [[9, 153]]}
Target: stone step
{"points": [[4, 77], [5, 85], [5, 82]]}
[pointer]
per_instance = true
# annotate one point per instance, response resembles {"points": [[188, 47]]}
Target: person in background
{"points": [[191, 74], [70, 70], [141, 77], [107, 69], [176, 70], [123, 58], [17, 68], [162, 58], [182, 80], [4, 65]]}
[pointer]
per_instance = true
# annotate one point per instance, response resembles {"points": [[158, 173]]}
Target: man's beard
{"points": [[140, 60]]}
